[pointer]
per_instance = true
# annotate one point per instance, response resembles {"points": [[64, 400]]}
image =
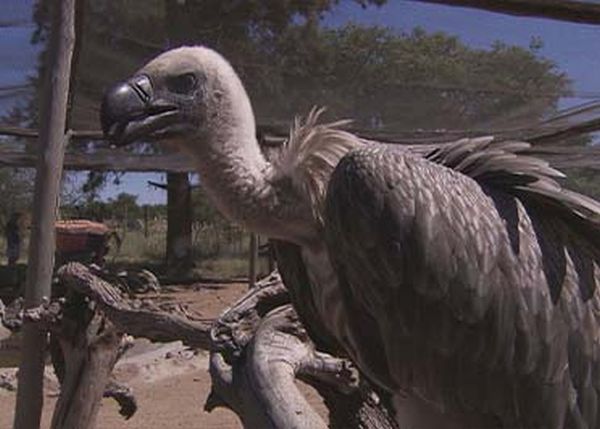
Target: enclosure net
{"points": [[403, 71]]}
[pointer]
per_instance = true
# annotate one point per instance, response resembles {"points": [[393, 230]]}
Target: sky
{"points": [[573, 47]]}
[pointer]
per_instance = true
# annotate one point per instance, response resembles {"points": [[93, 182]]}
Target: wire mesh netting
{"points": [[403, 71]]}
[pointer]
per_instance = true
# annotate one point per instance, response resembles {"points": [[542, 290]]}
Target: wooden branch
{"points": [[162, 186], [89, 360], [84, 348], [256, 359], [233, 331], [260, 386], [584, 12], [104, 160], [140, 319]]}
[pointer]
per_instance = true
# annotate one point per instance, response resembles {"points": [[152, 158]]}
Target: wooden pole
{"points": [[53, 115], [179, 223], [253, 260], [179, 196], [583, 12], [145, 220]]}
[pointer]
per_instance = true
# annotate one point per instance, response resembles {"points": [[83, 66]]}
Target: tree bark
{"points": [[47, 184], [85, 347], [89, 360]]}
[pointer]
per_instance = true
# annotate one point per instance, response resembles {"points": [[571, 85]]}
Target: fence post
{"points": [[52, 139], [145, 220]]}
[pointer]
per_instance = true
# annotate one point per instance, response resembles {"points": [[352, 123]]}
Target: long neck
{"points": [[237, 177]]}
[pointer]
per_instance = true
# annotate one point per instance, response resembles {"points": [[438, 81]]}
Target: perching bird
{"points": [[464, 282]]}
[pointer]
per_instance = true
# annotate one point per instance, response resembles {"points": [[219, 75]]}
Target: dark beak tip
{"points": [[123, 102]]}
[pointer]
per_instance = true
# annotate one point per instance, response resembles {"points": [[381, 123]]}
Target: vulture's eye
{"points": [[182, 84]]}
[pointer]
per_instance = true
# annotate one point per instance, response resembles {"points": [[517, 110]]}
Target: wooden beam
{"points": [[29, 133], [105, 160], [52, 141], [559, 156], [583, 12]]}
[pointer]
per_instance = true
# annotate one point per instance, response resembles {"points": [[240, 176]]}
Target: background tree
{"points": [[290, 60]]}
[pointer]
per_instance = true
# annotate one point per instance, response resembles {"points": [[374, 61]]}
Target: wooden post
{"points": [[179, 197], [145, 220], [584, 12], [253, 260], [53, 115], [179, 223]]}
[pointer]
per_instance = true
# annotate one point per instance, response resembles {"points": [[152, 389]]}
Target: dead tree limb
{"points": [[89, 347], [258, 348], [138, 318], [89, 361]]}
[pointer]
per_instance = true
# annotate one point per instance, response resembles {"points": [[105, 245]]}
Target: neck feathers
{"points": [[282, 199], [311, 154]]}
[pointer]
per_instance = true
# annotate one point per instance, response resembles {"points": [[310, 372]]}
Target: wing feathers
{"points": [[484, 270]]}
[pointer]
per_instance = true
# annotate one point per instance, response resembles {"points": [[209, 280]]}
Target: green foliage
{"points": [[204, 211], [405, 81], [16, 188], [289, 62], [120, 209]]}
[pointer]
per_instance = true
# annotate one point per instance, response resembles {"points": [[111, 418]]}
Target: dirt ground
{"points": [[170, 383]]}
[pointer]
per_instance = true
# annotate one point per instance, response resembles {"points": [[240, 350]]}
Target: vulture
{"points": [[463, 282]]}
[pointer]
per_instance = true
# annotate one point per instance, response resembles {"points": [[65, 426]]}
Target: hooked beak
{"points": [[130, 112]]}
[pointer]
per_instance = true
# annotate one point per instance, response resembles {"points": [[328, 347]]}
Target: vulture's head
{"points": [[181, 94]]}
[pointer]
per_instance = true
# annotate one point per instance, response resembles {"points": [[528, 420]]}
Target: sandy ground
{"points": [[170, 383]]}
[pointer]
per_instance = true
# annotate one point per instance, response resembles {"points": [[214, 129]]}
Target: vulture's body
{"points": [[463, 282]]}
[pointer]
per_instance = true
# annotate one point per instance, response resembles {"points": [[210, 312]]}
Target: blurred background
{"points": [[405, 72]]}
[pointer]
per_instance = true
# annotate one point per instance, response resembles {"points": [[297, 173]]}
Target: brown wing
{"points": [[482, 293]]}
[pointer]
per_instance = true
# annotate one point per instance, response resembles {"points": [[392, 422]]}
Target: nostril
{"points": [[125, 101], [143, 87]]}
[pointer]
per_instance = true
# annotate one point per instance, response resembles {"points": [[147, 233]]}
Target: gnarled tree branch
{"points": [[258, 348]]}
